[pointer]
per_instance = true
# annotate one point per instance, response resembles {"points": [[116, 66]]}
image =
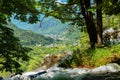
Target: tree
{"points": [[85, 6], [111, 7], [99, 20], [73, 11], [11, 51], [24, 10]]}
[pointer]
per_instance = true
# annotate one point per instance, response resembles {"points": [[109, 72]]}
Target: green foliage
{"points": [[34, 63], [91, 57], [37, 55], [11, 51], [104, 53], [39, 52], [66, 61], [84, 41], [24, 10], [4, 74], [86, 57], [111, 21], [65, 12], [111, 7], [78, 58]]}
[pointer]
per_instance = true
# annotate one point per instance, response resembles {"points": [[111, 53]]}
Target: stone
{"points": [[106, 72], [113, 67], [15, 77], [28, 75]]}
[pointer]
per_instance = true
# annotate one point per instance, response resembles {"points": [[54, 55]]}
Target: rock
{"points": [[28, 75], [58, 73], [105, 72], [1, 78], [113, 67], [78, 70], [55, 68], [100, 73], [111, 36], [15, 77], [61, 76], [110, 30], [50, 60]]}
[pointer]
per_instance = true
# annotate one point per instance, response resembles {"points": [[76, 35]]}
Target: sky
{"points": [[64, 0]]}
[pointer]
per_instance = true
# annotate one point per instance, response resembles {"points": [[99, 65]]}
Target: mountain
{"points": [[28, 37], [54, 28], [49, 26]]}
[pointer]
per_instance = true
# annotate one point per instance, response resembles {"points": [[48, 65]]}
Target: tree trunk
{"points": [[99, 21], [85, 5]]}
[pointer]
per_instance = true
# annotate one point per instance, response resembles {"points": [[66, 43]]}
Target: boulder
{"points": [[100, 73], [1, 78], [113, 67], [57, 73], [15, 77], [50, 60], [28, 75]]}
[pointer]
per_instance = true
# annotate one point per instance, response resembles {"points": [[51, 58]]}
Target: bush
{"points": [[65, 61], [77, 58], [91, 57]]}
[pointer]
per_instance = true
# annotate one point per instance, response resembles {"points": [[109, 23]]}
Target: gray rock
{"points": [[113, 67], [55, 73], [16, 77]]}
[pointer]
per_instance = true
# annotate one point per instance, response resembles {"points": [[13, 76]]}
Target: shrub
{"points": [[77, 58], [65, 61]]}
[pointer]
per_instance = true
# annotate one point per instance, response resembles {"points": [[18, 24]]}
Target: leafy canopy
{"points": [[111, 7], [11, 51], [65, 11], [24, 10]]}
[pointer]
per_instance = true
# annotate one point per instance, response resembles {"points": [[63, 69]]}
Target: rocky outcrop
{"points": [[50, 60], [105, 72], [111, 36]]}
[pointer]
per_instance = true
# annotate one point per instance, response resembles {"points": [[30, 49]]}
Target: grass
{"points": [[97, 57], [83, 56], [4, 74]]}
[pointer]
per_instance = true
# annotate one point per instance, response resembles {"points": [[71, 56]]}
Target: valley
{"points": [[49, 31]]}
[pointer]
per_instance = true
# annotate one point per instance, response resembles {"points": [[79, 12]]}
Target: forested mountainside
{"points": [[30, 38], [56, 29]]}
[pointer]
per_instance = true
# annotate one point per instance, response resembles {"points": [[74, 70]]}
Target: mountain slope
{"points": [[49, 25], [28, 37]]}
